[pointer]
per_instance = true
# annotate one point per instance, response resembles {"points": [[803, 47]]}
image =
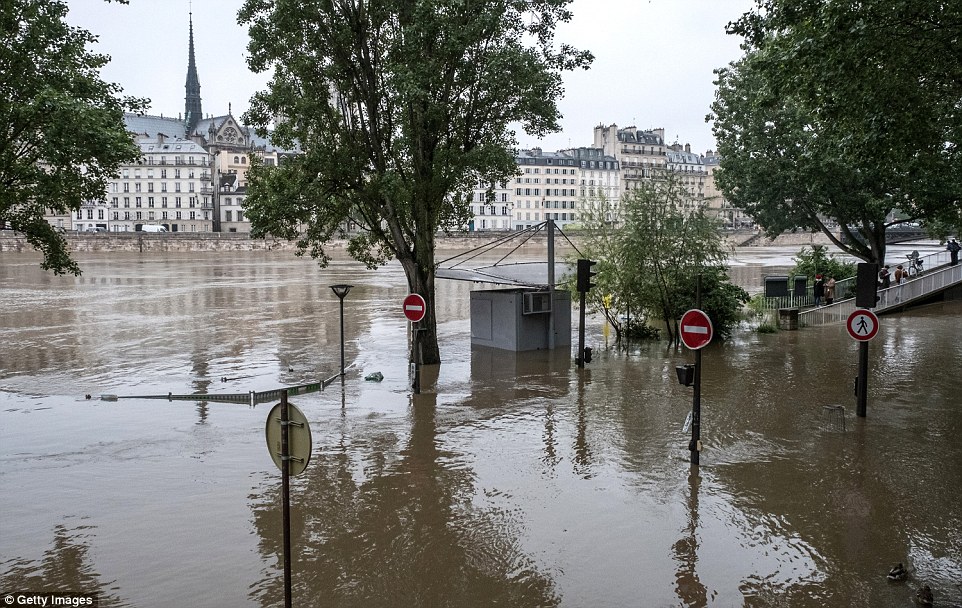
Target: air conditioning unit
{"points": [[536, 302]]}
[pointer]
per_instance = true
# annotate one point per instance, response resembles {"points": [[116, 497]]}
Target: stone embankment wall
{"points": [[236, 241]]}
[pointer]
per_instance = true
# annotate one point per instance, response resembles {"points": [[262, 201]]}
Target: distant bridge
{"points": [[898, 234], [902, 233]]}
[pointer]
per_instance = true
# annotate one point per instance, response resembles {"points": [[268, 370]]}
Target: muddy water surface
{"points": [[513, 480]]}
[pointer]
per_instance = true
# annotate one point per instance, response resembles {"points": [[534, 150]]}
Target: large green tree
{"points": [[650, 263], [63, 133], [398, 108], [840, 112]]}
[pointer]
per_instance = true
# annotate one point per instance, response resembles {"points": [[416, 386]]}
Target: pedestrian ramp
{"points": [[897, 297]]}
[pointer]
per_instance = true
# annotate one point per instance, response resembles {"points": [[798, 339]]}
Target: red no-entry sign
{"points": [[414, 307], [696, 329], [862, 324]]}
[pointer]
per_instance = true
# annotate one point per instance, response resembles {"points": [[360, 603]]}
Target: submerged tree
{"points": [[653, 260], [840, 112], [63, 133], [399, 107]]}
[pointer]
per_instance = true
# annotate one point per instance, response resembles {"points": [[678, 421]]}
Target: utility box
{"points": [[801, 286], [776, 287], [520, 319]]}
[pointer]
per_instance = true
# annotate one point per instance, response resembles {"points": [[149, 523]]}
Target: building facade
{"points": [[549, 185]]}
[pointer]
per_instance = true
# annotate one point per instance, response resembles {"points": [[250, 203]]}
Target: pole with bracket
{"points": [[286, 494], [695, 446]]}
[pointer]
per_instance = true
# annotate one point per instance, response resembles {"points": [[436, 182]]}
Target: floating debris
{"points": [[375, 377], [898, 572]]}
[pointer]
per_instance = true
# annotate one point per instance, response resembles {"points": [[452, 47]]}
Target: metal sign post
{"points": [[289, 443], [696, 332], [862, 325]]}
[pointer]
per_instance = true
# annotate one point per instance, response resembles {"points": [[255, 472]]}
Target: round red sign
{"points": [[696, 329], [414, 307], [862, 324]]}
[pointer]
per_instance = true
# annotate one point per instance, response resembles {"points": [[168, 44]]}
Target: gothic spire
{"points": [[192, 109]]}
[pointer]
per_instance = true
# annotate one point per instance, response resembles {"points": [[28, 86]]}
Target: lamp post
{"points": [[341, 292]]}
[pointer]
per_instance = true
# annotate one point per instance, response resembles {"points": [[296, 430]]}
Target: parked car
{"points": [[153, 228]]}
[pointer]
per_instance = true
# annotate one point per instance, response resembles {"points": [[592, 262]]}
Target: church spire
{"points": [[192, 109]]}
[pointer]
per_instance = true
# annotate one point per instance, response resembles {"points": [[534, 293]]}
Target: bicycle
{"points": [[915, 264]]}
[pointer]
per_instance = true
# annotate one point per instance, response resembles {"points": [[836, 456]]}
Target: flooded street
{"points": [[512, 480]]}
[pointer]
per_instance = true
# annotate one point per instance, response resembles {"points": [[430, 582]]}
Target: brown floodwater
{"points": [[512, 480]]}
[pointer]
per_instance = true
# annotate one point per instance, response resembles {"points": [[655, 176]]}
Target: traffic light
{"points": [[866, 285], [584, 275]]}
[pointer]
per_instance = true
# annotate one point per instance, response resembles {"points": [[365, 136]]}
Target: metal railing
{"points": [[938, 277], [846, 287]]}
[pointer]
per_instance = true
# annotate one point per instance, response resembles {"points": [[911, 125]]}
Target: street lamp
{"points": [[341, 291]]}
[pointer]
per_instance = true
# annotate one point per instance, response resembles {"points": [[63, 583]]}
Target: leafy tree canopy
{"points": [[815, 261], [650, 264], [399, 108], [63, 127], [840, 112]]}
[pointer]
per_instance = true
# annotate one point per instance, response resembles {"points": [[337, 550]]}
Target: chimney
{"points": [[688, 148]]}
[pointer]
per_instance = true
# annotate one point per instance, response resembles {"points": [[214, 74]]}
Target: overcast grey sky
{"points": [[653, 61]]}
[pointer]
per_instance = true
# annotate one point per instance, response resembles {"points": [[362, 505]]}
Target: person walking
{"points": [[953, 248], [830, 290], [900, 275], [819, 290], [884, 279]]}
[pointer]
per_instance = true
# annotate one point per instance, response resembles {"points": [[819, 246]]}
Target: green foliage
{"points": [[399, 108], [843, 111], [649, 264], [766, 328], [720, 299], [816, 260], [63, 127]]}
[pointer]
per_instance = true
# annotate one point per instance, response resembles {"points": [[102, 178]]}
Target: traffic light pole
{"points": [[580, 359]]}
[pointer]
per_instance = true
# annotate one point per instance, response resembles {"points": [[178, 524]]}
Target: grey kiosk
{"points": [[519, 319]]}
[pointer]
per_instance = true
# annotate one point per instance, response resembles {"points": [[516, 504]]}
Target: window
{"points": [[137, 202], [150, 201], [229, 216]]}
